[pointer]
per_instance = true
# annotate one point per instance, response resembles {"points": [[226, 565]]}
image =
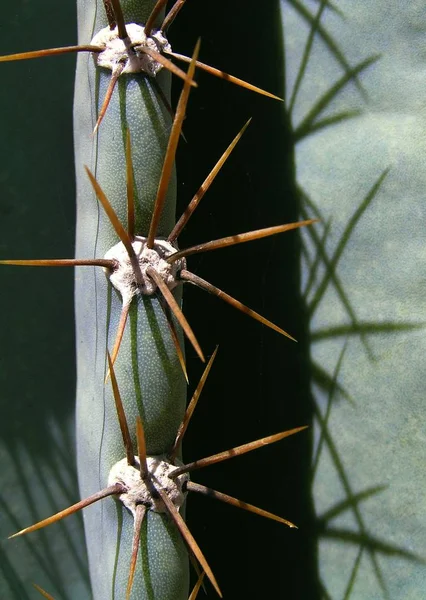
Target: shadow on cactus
{"points": [[325, 287]]}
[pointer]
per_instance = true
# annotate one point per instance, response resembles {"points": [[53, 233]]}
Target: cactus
{"points": [[370, 560], [126, 111]]}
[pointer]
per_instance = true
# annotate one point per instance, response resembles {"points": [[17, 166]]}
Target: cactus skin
{"points": [[149, 375], [369, 479]]}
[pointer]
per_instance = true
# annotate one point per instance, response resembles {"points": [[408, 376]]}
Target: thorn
{"points": [[205, 285], [43, 592], [177, 229], [140, 436], [127, 440], [191, 407], [118, 69], [119, 335], [188, 538], [206, 491], [197, 570], [174, 336], [130, 188], [119, 19], [115, 489], [118, 227], [158, 7], [237, 451], [50, 52], [176, 310], [171, 151], [62, 262], [172, 14], [110, 14], [239, 239], [139, 517], [226, 76], [167, 64], [197, 587]]}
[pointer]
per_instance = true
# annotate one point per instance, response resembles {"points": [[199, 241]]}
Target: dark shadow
{"points": [[260, 381]]}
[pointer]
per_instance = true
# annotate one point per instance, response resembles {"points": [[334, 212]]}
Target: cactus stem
{"points": [[186, 215], [239, 239], [212, 289], [191, 407], [171, 151], [139, 517], [175, 308], [111, 490], [206, 491], [188, 538], [237, 451], [223, 75], [121, 415]]}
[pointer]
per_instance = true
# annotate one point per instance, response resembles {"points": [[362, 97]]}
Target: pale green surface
{"points": [[379, 440], [149, 375]]}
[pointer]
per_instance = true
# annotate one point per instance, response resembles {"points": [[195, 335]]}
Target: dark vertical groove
{"points": [[260, 383]]}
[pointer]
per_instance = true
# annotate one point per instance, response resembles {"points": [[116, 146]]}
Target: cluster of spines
{"points": [[117, 489], [127, 237]]}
